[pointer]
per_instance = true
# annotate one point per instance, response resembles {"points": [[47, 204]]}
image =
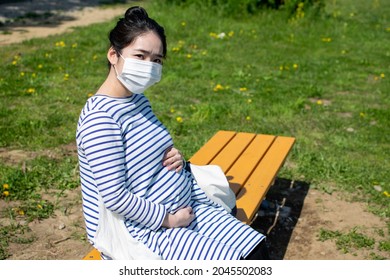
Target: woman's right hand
{"points": [[181, 218]]}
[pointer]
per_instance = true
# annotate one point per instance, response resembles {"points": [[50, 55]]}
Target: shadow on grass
{"points": [[288, 197], [48, 13]]}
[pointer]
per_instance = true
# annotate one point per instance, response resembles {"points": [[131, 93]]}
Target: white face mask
{"points": [[138, 75]]}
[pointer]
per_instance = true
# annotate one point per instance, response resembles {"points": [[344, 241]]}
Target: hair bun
{"points": [[136, 14]]}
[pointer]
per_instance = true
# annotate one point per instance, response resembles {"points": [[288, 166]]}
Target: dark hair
{"points": [[135, 23]]}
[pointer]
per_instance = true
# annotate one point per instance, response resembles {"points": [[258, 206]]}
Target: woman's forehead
{"points": [[147, 42]]}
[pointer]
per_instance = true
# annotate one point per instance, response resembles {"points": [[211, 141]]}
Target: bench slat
{"points": [[255, 189], [233, 150], [93, 255], [239, 173], [209, 150]]}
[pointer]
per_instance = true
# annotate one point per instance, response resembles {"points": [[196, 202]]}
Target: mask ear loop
{"points": [[116, 72], [113, 65]]}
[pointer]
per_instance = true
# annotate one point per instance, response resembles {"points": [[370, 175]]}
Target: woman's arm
{"points": [[102, 143]]}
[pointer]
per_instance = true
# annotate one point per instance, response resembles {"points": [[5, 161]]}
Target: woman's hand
{"points": [[173, 159], [181, 218]]}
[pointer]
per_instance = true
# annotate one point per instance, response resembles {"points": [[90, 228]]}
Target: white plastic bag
{"points": [[214, 183], [114, 240]]}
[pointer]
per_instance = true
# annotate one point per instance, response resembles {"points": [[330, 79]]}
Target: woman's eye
{"points": [[159, 61], [140, 56]]}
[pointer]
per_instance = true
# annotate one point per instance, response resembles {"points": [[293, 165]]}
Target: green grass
{"points": [[14, 233], [347, 242], [323, 79]]}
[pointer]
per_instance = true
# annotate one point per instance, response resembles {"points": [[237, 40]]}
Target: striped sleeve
{"points": [[101, 139]]}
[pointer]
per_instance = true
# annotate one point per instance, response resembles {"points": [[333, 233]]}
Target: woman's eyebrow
{"points": [[149, 53]]}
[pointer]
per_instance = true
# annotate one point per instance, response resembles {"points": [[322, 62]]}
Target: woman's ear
{"points": [[112, 56]]}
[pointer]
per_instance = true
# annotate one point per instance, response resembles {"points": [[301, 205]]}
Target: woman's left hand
{"points": [[173, 159]]}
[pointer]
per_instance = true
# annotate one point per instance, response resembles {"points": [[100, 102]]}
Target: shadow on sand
{"points": [[279, 214], [48, 13]]}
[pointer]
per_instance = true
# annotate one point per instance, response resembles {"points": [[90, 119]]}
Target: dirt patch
{"points": [[61, 236], [305, 212], [294, 235]]}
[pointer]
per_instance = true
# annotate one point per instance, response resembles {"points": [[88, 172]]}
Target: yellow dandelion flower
{"points": [[172, 110], [326, 39], [47, 55], [218, 87], [386, 193], [66, 77], [204, 52], [343, 52], [14, 62], [213, 35], [6, 193], [90, 94], [362, 115], [382, 75], [95, 57], [376, 78], [249, 101], [231, 34], [281, 67], [21, 212], [39, 206], [179, 119], [183, 23], [40, 66], [243, 89], [319, 102], [22, 74], [74, 45], [175, 49], [30, 90], [248, 118], [60, 44], [33, 75], [189, 55], [5, 186], [295, 66]]}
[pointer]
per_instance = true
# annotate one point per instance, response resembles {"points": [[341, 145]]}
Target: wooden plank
{"points": [[233, 150], [93, 255], [212, 147], [247, 162], [256, 187]]}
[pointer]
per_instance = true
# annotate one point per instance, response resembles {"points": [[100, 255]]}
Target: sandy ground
{"points": [[50, 18], [293, 236]]}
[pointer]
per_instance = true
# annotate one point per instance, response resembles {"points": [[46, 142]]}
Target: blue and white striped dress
{"points": [[121, 144]]}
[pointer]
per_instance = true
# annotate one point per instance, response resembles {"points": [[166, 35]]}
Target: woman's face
{"points": [[146, 47]]}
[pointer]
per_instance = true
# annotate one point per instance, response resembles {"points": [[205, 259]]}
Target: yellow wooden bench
{"points": [[250, 162]]}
